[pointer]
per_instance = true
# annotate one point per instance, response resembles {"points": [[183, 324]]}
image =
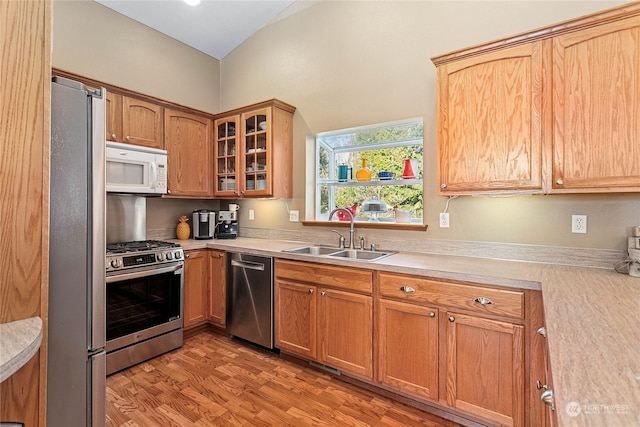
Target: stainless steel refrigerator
{"points": [[76, 362]]}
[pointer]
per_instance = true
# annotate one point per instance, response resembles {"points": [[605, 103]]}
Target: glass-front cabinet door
{"points": [[226, 156], [254, 151], [256, 147]]}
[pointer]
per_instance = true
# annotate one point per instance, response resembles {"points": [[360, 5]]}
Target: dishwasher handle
{"points": [[248, 265]]}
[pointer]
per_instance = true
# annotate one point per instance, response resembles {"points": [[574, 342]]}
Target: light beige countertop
{"points": [[592, 318], [19, 341]]}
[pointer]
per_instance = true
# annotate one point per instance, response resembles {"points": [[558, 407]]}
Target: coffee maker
{"points": [[204, 223], [227, 227]]}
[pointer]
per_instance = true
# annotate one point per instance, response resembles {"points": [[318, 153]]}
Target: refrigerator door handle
{"points": [[98, 229], [98, 401]]}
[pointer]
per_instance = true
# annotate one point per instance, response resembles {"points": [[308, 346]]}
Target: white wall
{"points": [[351, 63]]}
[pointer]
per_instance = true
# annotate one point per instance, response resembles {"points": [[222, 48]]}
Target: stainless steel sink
{"points": [[354, 254], [312, 250], [361, 255]]}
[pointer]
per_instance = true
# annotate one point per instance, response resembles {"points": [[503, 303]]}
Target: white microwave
{"points": [[135, 169]]}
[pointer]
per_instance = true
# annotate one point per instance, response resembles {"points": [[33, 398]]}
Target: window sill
{"points": [[376, 225]]}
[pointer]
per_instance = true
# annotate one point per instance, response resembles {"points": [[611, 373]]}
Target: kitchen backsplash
{"points": [[581, 257]]}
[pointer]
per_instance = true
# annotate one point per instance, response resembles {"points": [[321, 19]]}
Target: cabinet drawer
{"points": [[350, 279], [468, 297]]}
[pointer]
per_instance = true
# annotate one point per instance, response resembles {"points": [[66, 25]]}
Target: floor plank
{"points": [[216, 381]]}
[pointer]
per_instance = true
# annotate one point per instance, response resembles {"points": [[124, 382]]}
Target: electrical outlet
{"points": [[579, 224], [251, 215], [444, 220], [294, 216]]}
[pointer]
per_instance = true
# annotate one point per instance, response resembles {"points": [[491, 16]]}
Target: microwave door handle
{"points": [[154, 175]]}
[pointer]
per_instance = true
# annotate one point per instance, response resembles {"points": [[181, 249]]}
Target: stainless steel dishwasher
{"points": [[250, 298]]}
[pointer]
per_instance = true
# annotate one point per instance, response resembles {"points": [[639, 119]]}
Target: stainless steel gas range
{"points": [[144, 301]]}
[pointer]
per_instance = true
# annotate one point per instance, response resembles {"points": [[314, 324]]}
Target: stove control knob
{"points": [[178, 255], [160, 257], [115, 263], [169, 256]]}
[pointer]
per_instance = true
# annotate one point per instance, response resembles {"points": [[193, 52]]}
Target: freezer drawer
{"points": [[250, 298]]}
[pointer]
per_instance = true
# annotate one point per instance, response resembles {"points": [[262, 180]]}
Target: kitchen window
{"points": [[384, 151]]}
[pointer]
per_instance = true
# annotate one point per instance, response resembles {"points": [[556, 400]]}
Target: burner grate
{"points": [[137, 246]]}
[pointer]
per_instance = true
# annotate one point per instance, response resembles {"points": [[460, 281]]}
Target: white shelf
{"points": [[374, 183]]}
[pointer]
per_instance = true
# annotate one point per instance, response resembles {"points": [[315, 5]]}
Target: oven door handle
{"points": [[146, 273]]}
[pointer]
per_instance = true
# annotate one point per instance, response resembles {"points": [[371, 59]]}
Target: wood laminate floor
{"points": [[215, 381]]}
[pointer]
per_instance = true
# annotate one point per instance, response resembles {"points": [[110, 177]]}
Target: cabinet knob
{"points": [[542, 331], [559, 181], [407, 289], [220, 255], [541, 386], [187, 256], [482, 301], [128, 138], [443, 186], [310, 291], [432, 314], [452, 319], [323, 293], [547, 399], [113, 136], [168, 191]]}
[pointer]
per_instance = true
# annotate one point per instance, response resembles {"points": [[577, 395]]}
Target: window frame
{"points": [[316, 143]]}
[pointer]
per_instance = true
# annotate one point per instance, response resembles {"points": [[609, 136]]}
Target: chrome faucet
{"points": [[351, 230]]}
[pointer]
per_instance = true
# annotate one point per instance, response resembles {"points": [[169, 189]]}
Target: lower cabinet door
{"points": [[295, 318], [408, 348], [195, 290], [217, 287], [345, 326], [485, 368]]}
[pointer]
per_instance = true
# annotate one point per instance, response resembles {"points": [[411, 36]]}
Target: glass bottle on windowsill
{"points": [[363, 174]]}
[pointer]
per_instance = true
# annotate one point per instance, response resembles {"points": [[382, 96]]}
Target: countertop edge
{"points": [[21, 339]]}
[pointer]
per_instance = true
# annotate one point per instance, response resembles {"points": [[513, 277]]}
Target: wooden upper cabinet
{"points": [[188, 145], [489, 122], [596, 106], [142, 123], [114, 117], [254, 151], [556, 110], [133, 121]]}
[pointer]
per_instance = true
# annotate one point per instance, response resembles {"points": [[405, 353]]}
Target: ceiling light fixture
{"points": [[192, 2]]}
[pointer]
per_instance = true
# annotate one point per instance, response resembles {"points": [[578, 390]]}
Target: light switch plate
{"points": [[294, 216]]}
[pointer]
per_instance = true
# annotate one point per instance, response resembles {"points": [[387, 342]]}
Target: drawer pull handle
{"points": [[407, 289], [482, 300]]}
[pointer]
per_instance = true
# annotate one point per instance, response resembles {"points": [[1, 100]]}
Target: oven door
{"points": [[143, 303]]}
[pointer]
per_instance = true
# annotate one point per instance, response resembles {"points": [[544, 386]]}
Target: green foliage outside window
{"points": [[384, 148]]}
